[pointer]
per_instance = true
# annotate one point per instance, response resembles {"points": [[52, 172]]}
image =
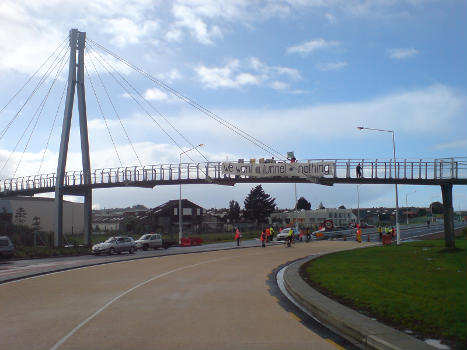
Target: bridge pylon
{"points": [[75, 82]]}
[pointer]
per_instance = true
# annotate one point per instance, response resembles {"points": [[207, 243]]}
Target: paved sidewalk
{"points": [[347, 322]]}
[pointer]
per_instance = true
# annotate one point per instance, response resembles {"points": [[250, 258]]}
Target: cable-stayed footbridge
{"points": [[277, 168]]}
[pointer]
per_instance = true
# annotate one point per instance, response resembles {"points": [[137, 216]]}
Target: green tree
{"points": [[234, 211], [259, 205], [20, 216], [302, 203], [436, 208]]}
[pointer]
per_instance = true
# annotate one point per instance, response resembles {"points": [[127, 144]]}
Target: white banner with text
{"points": [[304, 170]]}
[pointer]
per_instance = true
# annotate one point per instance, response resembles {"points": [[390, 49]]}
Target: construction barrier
{"points": [[191, 241], [387, 239]]}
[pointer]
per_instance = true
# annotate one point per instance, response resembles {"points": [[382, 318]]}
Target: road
{"points": [[15, 269], [209, 300]]}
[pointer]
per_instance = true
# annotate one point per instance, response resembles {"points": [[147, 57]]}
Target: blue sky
{"points": [[297, 74]]}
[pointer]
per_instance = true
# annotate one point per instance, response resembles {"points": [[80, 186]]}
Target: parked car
{"points": [[149, 240], [282, 236], [115, 245], [7, 249]]}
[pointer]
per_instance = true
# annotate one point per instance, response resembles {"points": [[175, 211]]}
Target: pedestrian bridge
{"points": [[374, 171]]}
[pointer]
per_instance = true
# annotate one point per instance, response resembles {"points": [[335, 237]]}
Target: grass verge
{"points": [[418, 286]]}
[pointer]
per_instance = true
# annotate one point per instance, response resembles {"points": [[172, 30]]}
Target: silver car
{"points": [[115, 245], [7, 249], [150, 240]]}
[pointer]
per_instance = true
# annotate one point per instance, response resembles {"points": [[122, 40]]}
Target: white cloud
{"points": [[155, 94], [457, 144], [311, 46], [324, 67], [238, 73], [331, 18], [401, 54], [126, 31], [279, 85]]}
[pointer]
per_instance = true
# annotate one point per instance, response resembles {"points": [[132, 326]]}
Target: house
{"points": [[309, 218], [164, 218]]}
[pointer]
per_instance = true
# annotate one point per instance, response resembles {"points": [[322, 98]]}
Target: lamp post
{"points": [[407, 206], [395, 167], [358, 205], [180, 214]]}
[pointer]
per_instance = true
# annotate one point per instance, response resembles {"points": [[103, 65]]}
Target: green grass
{"points": [[416, 286]]}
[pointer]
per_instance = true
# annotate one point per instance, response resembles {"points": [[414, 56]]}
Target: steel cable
{"points": [[103, 116], [195, 105]]}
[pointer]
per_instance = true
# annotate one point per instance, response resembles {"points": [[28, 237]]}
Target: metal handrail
{"points": [[422, 169]]}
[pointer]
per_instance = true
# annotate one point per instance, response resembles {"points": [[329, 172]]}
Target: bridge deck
{"points": [[409, 172]]}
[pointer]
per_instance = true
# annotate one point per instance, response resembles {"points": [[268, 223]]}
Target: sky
{"points": [[299, 75]]}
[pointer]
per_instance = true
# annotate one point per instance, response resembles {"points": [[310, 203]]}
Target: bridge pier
{"points": [[448, 212]]}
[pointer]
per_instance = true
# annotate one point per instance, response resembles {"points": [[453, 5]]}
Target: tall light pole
{"points": [[395, 167], [407, 206], [180, 214], [358, 205]]}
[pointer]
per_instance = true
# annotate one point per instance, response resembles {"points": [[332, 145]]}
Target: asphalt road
{"points": [[210, 300], [14, 269]]}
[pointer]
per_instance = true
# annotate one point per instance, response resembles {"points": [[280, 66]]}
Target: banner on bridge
{"points": [[303, 170]]}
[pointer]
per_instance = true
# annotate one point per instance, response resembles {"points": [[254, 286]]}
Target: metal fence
{"points": [[421, 169]]}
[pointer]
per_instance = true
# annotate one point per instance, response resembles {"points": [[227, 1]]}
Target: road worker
{"points": [[237, 236], [380, 232], [268, 234], [263, 239]]}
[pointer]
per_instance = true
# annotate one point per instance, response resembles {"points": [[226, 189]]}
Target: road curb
{"points": [[349, 323]]}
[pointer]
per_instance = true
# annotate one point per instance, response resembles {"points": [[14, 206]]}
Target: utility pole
{"points": [[75, 77]]}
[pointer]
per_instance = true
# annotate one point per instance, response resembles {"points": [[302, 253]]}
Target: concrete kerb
{"points": [[349, 323]]}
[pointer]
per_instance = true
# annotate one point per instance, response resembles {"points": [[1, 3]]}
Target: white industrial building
{"points": [[45, 210], [308, 218]]}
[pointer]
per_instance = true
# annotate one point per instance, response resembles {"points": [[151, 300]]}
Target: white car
{"points": [[150, 240], [115, 245], [282, 236]]}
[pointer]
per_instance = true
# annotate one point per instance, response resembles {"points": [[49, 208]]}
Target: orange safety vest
{"points": [[262, 236]]}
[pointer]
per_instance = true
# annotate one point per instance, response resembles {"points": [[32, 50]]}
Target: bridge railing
{"points": [[422, 169]]}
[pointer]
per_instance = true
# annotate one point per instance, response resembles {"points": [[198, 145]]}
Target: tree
{"points": [[20, 216], [436, 208], [321, 206], [36, 223], [302, 203], [234, 211], [259, 205]]}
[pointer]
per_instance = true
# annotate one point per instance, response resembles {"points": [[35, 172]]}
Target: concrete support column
{"points": [[448, 211]]}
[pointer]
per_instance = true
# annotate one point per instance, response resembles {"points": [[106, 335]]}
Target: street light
{"points": [[407, 206], [395, 167], [358, 205], [180, 229]]}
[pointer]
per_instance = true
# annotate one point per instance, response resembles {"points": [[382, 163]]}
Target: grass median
{"points": [[417, 287]]}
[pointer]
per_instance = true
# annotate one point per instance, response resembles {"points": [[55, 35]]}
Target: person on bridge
{"points": [[237, 236], [359, 171], [263, 239]]}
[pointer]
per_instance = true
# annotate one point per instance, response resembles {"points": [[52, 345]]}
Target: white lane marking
{"points": [[74, 330]]}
